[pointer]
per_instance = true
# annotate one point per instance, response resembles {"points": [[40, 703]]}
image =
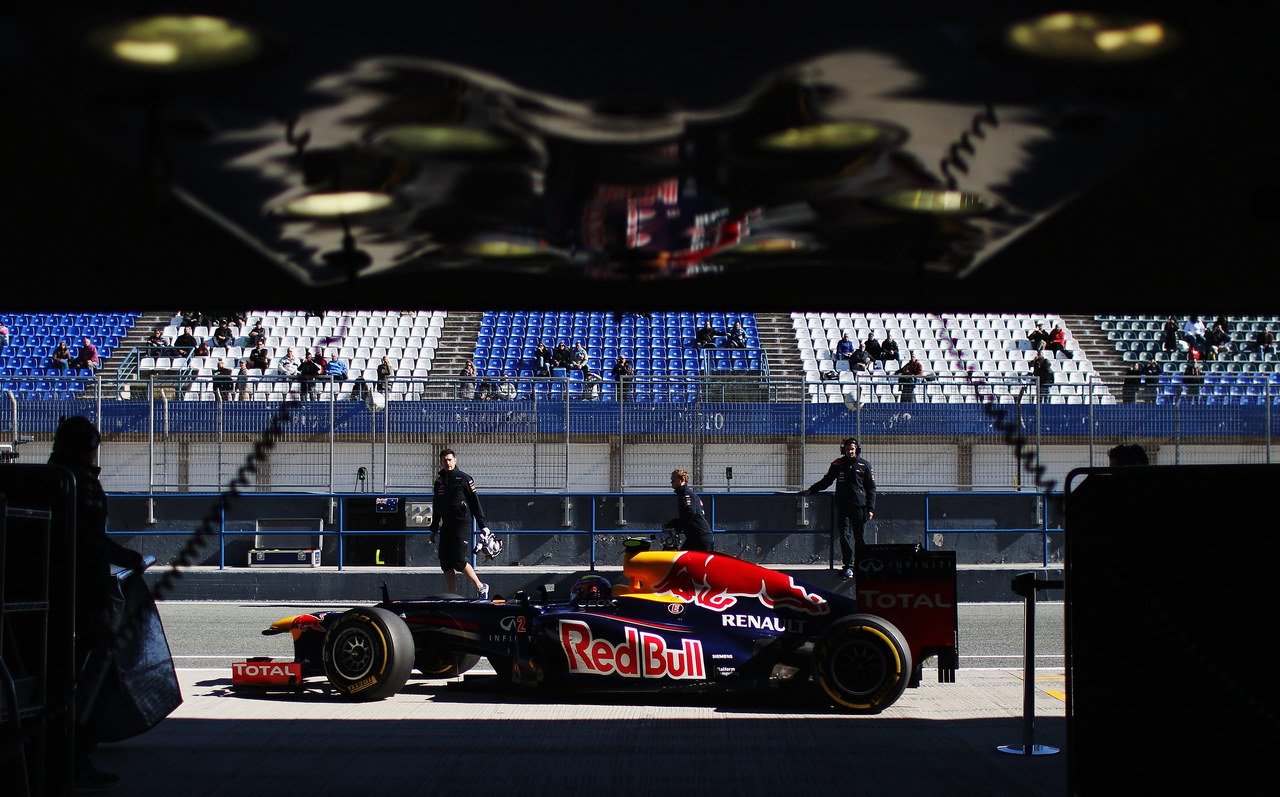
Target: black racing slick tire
{"points": [[368, 654], [444, 664], [862, 662]]}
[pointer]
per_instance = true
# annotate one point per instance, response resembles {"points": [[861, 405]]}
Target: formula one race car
{"points": [[680, 620]]}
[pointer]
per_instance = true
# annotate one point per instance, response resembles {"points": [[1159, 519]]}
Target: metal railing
{"points": [[565, 435]]}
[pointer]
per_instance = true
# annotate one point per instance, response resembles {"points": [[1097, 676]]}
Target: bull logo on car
{"points": [[717, 582]]}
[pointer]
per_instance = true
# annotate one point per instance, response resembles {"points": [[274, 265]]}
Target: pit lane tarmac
{"points": [[437, 738]]}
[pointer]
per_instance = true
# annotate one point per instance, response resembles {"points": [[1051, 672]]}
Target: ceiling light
{"points": [[173, 42], [500, 249], [340, 203], [441, 140], [770, 246], [834, 136], [935, 202], [1096, 38]]}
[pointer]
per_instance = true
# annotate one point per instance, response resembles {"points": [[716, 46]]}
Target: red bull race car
{"points": [[678, 620]]}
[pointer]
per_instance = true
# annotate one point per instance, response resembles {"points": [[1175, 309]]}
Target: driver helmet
{"points": [[591, 587]]}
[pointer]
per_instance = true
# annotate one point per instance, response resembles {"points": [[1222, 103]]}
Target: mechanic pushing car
{"points": [[454, 506], [692, 519], [855, 497]]}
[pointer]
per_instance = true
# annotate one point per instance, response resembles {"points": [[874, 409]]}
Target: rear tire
{"points": [[368, 654], [862, 662]]}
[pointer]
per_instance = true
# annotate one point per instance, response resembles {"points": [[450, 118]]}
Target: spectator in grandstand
{"points": [[1150, 380], [257, 335], [562, 356], [4, 337], [453, 508], [191, 318], [318, 356], [202, 349], [222, 381], [623, 373], [737, 337], [87, 356], [1169, 334], [359, 389], [186, 341], [242, 381], [909, 375], [336, 369], [1058, 340], [1218, 341], [467, 374], [289, 364], [61, 357], [706, 337], [845, 348], [1126, 456], [384, 374], [223, 336], [855, 482], [889, 348], [591, 382], [308, 370], [1265, 341], [1038, 337], [861, 360], [1042, 370], [506, 389], [1132, 382], [691, 519], [1193, 331], [1192, 380], [579, 357], [156, 339], [873, 347], [259, 358], [542, 359]]}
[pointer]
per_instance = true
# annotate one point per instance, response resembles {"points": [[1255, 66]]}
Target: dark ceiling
{"points": [[1124, 188]]}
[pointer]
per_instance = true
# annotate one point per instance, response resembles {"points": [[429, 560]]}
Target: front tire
{"points": [[862, 662], [444, 664], [368, 654]]}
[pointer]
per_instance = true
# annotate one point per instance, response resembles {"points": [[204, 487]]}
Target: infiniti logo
{"points": [[871, 566]]}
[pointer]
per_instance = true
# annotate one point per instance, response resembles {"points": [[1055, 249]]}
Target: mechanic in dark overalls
{"points": [[692, 521], [855, 497], [454, 505], [75, 442]]}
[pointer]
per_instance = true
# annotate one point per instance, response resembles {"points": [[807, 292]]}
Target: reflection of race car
{"points": [[681, 620]]}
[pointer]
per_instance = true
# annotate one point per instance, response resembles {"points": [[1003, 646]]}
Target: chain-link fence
{"points": [[558, 435]]}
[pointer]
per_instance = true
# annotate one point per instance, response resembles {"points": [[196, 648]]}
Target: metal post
{"points": [[1089, 387], [333, 387], [622, 439], [221, 431], [1177, 431], [1026, 584], [1266, 397], [567, 384], [386, 440], [537, 441], [1040, 399]]}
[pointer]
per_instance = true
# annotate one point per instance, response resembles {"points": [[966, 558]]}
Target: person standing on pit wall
{"points": [[692, 518], [855, 498], [453, 507]]}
